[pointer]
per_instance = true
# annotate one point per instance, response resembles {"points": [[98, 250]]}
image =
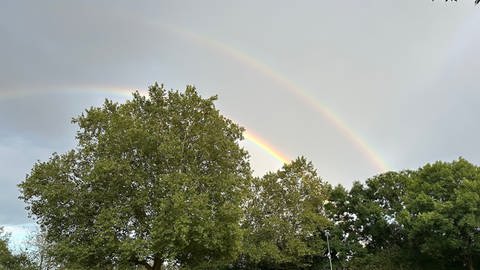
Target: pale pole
{"points": [[328, 245]]}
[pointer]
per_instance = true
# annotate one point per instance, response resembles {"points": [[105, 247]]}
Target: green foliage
{"points": [[366, 219], [10, 261], [6, 257], [442, 214], [157, 179], [285, 219], [424, 219]]}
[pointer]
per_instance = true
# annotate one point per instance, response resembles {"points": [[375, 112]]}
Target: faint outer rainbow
{"points": [[255, 64], [123, 91], [68, 89]]}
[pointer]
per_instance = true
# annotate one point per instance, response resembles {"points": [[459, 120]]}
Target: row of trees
{"points": [[160, 182], [423, 219]]}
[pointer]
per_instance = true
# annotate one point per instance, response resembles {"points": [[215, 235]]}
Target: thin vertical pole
{"points": [[329, 255]]}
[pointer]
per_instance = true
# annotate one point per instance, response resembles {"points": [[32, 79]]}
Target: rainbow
{"points": [[248, 134], [80, 89], [297, 91]]}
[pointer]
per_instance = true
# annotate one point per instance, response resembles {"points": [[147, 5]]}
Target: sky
{"points": [[357, 87]]}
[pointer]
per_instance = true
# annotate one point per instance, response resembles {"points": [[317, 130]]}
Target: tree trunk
{"points": [[157, 264], [470, 263], [145, 264]]}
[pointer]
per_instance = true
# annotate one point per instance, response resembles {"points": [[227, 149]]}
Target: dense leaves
{"points": [[159, 179], [424, 219], [285, 218], [442, 215]]}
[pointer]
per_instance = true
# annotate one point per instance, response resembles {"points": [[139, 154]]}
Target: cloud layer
{"points": [[401, 74]]}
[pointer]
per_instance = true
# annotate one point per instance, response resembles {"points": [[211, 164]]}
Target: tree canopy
{"points": [[442, 215], [423, 219], [156, 180], [285, 218]]}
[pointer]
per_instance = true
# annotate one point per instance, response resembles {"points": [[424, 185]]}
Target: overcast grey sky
{"points": [[400, 75]]}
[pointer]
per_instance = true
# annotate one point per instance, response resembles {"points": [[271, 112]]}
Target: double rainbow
{"points": [[254, 64]]}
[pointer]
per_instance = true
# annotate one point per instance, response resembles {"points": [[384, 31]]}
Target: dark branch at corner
{"points": [[476, 1]]}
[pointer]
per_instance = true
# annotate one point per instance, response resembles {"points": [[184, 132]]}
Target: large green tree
{"points": [[285, 218], [157, 180], [367, 217], [442, 215], [423, 219]]}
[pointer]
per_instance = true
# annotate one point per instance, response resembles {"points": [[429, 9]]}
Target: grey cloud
{"points": [[387, 68], [56, 43], [16, 158], [43, 119]]}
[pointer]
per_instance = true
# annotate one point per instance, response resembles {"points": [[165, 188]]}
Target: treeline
{"points": [[423, 219], [160, 182]]}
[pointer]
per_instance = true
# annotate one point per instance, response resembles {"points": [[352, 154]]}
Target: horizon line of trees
{"points": [[160, 182]]}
